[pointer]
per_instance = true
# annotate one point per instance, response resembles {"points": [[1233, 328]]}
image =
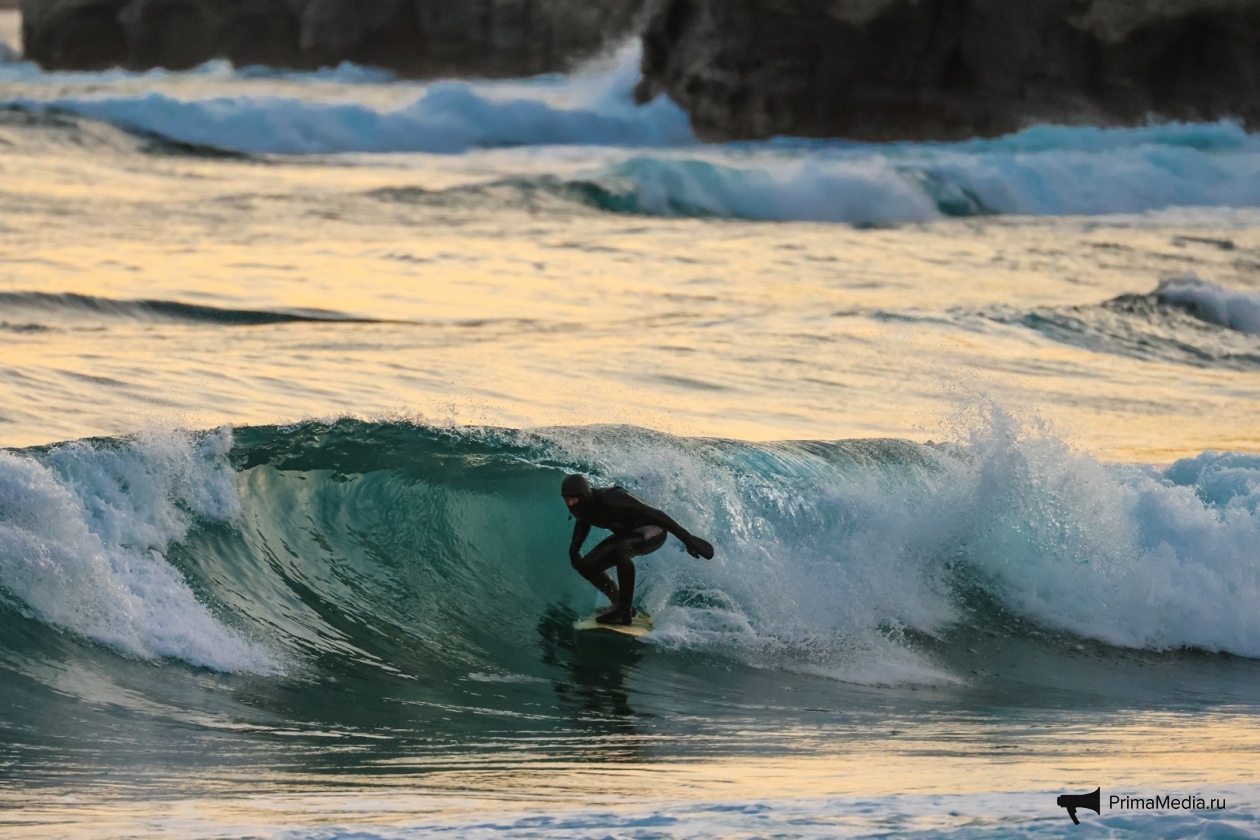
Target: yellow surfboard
{"points": [[641, 626]]}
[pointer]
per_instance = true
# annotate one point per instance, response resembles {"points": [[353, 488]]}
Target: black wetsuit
{"points": [[637, 529]]}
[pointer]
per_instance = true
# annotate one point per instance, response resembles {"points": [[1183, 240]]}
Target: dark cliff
{"points": [[949, 69], [419, 38]]}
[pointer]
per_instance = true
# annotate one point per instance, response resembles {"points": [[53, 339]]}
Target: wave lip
{"points": [[1215, 304], [76, 305]]}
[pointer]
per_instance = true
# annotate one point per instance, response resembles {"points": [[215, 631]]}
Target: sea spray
{"points": [[1124, 554], [83, 529], [828, 550]]}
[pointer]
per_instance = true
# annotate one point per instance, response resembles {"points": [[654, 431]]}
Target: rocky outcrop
{"points": [[949, 69], [412, 37]]}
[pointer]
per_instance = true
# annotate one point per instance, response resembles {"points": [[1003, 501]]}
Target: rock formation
{"points": [[411, 37], [949, 69]]}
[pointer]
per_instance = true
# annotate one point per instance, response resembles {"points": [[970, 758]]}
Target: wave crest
{"points": [[1215, 304]]}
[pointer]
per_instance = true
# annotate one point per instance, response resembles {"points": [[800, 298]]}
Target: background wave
{"points": [[867, 185], [346, 73], [1040, 172], [1043, 171], [1185, 320], [588, 108]]}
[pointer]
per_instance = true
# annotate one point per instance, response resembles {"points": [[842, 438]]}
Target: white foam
{"points": [[83, 530], [1092, 171], [1227, 307], [824, 563], [1123, 554]]}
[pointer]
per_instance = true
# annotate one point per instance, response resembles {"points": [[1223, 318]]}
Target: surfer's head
{"points": [[575, 488]]}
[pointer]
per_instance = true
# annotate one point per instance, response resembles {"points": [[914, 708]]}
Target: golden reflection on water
{"points": [[529, 311], [1154, 753]]}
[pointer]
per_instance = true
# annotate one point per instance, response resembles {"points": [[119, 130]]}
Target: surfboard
{"points": [[641, 626]]}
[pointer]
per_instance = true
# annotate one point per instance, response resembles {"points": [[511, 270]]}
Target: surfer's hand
{"points": [[697, 547]]}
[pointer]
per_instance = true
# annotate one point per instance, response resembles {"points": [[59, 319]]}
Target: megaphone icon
{"points": [[1072, 801]]}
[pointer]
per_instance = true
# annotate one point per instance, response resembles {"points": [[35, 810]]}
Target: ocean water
{"points": [[291, 365]]}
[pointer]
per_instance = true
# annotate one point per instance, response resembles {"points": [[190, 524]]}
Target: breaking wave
{"points": [[1186, 320], [587, 108], [1064, 171], [84, 532], [427, 551], [1214, 304]]}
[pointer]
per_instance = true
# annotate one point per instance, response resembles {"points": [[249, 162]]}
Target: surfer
{"points": [[637, 529]]}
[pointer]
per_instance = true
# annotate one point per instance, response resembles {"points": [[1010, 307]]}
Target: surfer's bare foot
{"points": [[616, 616]]}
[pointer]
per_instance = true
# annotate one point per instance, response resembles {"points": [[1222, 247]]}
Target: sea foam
{"points": [[83, 531]]}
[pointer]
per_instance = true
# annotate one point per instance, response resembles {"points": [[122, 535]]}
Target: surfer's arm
{"points": [[696, 547], [581, 530]]}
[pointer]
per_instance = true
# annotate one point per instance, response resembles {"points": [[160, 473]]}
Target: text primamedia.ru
{"points": [[1165, 803]]}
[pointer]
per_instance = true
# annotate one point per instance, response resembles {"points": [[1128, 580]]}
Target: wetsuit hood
{"points": [[576, 485]]}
